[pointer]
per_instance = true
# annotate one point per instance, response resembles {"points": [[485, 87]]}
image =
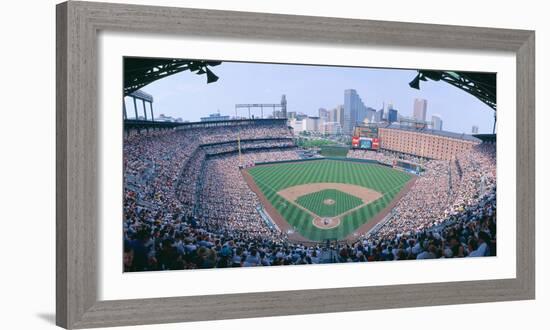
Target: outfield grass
{"points": [[273, 178], [334, 151], [342, 202]]}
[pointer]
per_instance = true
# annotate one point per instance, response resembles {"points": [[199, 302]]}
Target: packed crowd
{"points": [[226, 202], [383, 156], [184, 186], [216, 149], [187, 206], [468, 233], [450, 199]]}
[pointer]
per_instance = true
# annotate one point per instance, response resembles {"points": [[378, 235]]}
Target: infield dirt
{"points": [[365, 194]]}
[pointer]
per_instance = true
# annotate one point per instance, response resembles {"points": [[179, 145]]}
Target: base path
{"points": [[293, 193], [365, 194]]}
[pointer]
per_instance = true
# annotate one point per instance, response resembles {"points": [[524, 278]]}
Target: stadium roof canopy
{"points": [[139, 72], [481, 85]]}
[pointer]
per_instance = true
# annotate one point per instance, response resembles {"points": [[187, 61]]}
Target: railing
{"points": [[267, 219]]}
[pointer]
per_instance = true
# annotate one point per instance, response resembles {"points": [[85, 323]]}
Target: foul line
{"points": [[338, 216]]}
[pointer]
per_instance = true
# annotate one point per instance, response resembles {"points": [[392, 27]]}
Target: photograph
{"points": [[246, 164]]}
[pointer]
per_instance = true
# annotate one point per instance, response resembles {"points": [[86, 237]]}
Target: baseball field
{"points": [[326, 199]]}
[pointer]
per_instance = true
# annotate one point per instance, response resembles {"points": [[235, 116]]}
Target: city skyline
{"points": [[308, 88]]}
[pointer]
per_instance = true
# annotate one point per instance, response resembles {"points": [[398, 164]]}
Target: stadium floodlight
{"points": [[210, 76], [415, 83], [139, 72]]}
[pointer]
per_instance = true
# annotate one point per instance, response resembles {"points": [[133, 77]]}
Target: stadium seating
{"points": [[187, 206]]}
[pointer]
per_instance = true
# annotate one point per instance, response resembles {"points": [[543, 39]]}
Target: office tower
{"points": [[392, 115], [297, 125], [340, 114], [386, 107], [331, 128], [437, 123], [332, 115], [312, 124], [378, 116], [337, 115], [475, 129], [323, 113], [370, 114], [354, 110], [420, 108]]}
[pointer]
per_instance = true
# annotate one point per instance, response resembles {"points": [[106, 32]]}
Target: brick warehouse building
{"points": [[425, 143]]}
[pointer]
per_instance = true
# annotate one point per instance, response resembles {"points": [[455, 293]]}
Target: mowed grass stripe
{"points": [[315, 202], [272, 178]]}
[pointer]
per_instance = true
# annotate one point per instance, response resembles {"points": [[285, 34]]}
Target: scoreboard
{"points": [[366, 137], [362, 142]]}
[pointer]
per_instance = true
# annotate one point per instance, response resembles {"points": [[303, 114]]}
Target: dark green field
{"points": [[272, 178], [342, 202], [334, 151]]}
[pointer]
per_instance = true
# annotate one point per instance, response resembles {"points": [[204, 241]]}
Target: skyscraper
{"points": [[392, 115], [312, 124], [354, 110], [332, 115], [437, 123], [323, 113], [370, 114], [339, 113], [336, 115], [378, 116], [386, 107], [475, 129], [419, 110]]}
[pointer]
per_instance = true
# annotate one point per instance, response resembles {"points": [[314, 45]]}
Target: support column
{"points": [[152, 115], [124, 108], [135, 107], [144, 109]]}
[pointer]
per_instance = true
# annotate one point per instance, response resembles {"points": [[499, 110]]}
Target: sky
{"points": [[309, 88]]}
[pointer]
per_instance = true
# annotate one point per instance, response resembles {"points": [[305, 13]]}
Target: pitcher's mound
{"points": [[329, 201]]}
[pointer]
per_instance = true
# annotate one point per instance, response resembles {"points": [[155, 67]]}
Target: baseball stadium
{"points": [[240, 192]]}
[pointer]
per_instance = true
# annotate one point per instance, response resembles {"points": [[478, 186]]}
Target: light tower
{"points": [[283, 106]]}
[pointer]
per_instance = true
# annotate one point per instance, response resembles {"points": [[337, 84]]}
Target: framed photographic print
{"points": [[216, 165]]}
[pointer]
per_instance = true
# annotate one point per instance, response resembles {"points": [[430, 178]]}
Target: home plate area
{"points": [[329, 202], [326, 223]]}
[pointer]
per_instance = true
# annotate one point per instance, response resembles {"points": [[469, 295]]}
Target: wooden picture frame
{"points": [[78, 24]]}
